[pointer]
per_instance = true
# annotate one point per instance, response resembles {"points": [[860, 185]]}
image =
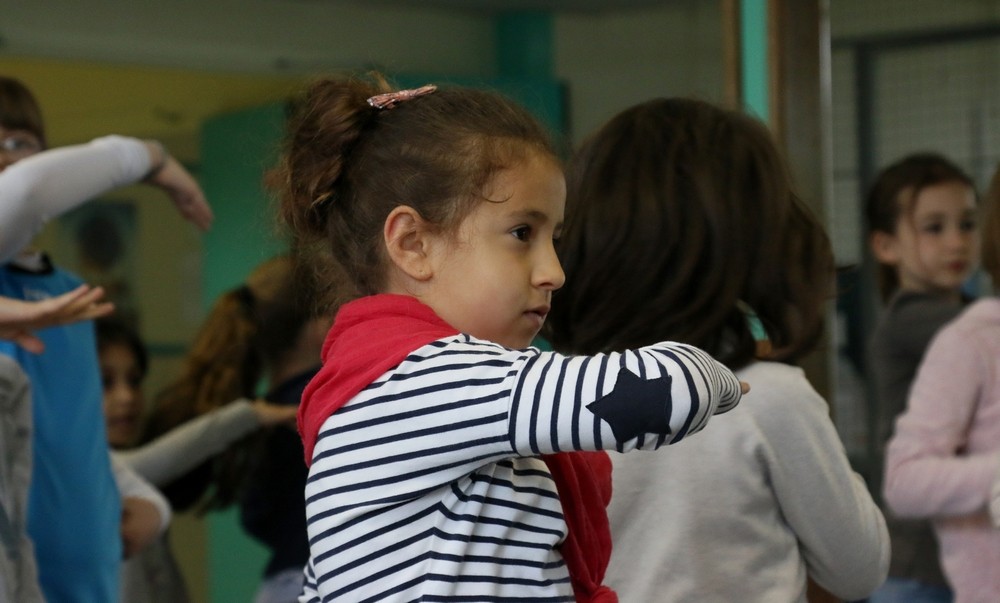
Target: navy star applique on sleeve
{"points": [[636, 406]]}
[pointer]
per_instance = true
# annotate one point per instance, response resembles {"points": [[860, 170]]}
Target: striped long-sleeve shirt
{"points": [[426, 485]]}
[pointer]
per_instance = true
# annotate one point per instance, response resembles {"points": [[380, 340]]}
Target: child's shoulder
{"points": [[911, 304], [773, 376], [777, 388], [907, 309], [980, 319]]}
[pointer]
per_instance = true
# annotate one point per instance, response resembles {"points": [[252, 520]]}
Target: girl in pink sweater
{"points": [[943, 461]]}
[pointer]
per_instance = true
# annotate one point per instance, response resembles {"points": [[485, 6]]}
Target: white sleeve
{"points": [[130, 485], [43, 186], [183, 448]]}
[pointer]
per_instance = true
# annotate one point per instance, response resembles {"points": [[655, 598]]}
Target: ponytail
{"points": [[221, 367], [325, 126], [249, 329]]}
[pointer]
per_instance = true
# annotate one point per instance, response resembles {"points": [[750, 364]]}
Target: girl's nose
{"points": [[549, 272], [962, 239], [122, 393]]}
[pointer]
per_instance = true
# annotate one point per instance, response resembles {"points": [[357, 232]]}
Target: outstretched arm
{"points": [[43, 186], [188, 445], [637, 399]]}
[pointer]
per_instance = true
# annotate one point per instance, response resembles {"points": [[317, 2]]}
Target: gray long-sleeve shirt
{"points": [[896, 348], [748, 509]]}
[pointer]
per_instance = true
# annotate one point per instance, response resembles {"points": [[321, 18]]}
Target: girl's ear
{"points": [[407, 240], [884, 247]]}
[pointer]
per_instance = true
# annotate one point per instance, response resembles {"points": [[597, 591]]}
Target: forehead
{"points": [[117, 352], [945, 197], [533, 185]]}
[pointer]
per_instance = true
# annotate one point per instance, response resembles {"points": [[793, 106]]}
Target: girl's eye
{"points": [[521, 233], [20, 144], [968, 225], [933, 228]]}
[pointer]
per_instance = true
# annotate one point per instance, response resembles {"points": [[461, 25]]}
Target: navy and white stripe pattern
{"points": [[425, 485]]}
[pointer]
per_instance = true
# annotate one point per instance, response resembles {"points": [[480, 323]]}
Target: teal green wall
{"points": [[524, 44], [754, 56], [235, 150]]}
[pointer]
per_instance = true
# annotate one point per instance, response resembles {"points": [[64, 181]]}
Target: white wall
{"points": [[612, 61], [943, 97]]}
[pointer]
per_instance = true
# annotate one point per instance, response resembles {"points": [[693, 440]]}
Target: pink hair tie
{"points": [[391, 99]]}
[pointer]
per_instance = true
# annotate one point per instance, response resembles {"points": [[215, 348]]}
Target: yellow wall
{"points": [[82, 100]]}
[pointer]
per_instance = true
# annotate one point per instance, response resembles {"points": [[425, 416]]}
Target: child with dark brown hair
{"points": [[424, 428], [687, 213], [921, 215], [943, 461]]}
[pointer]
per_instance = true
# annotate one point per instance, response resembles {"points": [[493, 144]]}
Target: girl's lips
{"points": [[538, 316]]}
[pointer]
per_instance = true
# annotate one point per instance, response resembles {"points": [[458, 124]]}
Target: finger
{"points": [[744, 387], [82, 302], [196, 210], [95, 311], [30, 342], [77, 298], [82, 308]]}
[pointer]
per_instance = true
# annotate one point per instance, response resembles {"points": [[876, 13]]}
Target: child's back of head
{"points": [[680, 216]]}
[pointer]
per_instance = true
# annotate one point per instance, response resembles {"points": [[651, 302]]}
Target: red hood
{"points": [[369, 336]]}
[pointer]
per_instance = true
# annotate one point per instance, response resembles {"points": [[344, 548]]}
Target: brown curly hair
{"points": [[347, 165]]}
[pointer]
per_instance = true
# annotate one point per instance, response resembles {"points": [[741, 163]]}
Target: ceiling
{"points": [[497, 6]]}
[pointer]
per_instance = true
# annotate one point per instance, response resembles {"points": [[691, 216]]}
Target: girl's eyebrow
{"points": [[531, 214], [940, 215], [535, 216]]}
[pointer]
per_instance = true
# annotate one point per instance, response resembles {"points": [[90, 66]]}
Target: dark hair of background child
{"points": [[701, 230]]}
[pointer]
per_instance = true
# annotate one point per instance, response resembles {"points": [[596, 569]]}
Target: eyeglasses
{"points": [[20, 144]]}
